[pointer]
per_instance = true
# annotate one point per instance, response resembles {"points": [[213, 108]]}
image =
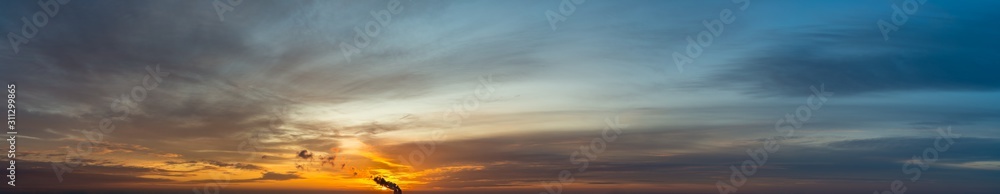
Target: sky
{"points": [[574, 96]]}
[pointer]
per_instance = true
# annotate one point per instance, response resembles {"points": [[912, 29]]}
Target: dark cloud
{"points": [[304, 154], [387, 184]]}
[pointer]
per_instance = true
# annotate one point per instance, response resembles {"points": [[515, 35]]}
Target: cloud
{"points": [[273, 76], [938, 51], [241, 166], [39, 176], [278, 176], [694, 156], [265, 176], [213, 163]]}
